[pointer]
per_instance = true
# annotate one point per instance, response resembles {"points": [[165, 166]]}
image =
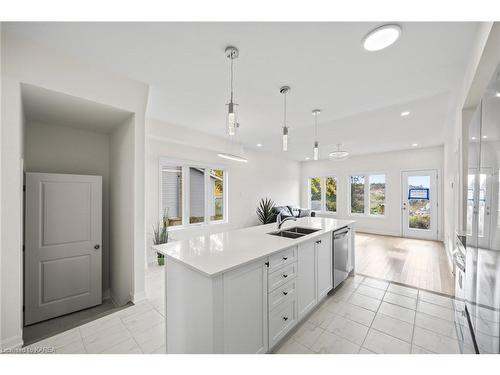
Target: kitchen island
{"points": [[242, 291]]}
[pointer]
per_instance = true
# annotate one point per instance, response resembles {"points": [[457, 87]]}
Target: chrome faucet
{"points": [[280, 221]]}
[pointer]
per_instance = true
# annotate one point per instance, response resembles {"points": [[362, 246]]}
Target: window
{"points": [[357, 194], [192, 194], [367, 194], [216, 194], [377, 194], [331, 194], [315, 193], [171, 194]]}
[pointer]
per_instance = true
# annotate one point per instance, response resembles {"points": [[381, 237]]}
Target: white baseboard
{"points": [[106, 294], [12, 342], [138, 297]]}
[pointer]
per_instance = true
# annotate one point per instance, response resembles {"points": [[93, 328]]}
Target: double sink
{"points": [[295, 232]]}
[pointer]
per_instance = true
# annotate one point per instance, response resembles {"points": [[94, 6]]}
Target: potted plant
{"points": [[160, 236], [265, 210]]}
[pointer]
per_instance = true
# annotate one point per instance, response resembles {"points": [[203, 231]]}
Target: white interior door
{"points": [[419, 204], [62, 258]]}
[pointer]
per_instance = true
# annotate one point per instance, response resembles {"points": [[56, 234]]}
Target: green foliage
{"points": [[265, 210], [315, 189], [357, 197], [331, 194], [420, 222], [160, 233]]}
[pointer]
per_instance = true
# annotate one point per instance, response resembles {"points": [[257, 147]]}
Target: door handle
{"points": [[97, 247]]}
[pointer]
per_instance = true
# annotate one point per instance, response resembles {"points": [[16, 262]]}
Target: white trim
{"points": [[366, 195], [322, 178]]}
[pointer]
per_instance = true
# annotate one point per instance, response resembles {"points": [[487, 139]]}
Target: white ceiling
{"points": [[54, 108], [361, 93]]}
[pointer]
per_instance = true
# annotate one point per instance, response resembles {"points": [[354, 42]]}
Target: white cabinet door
{"points": [[323, 265], [306, 278], [245, 309]]}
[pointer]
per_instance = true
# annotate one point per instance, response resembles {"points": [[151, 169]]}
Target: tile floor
{"points": [[368, 316], [365, 315], [137, 329]]}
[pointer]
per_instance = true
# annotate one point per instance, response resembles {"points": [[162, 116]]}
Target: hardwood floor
{"points": [[418, 263]]}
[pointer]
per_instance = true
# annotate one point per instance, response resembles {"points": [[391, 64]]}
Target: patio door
{"points": [[419, 204]]}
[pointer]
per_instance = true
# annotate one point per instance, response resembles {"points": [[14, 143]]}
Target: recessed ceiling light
{"points": [[307, 157], [484, 136], [414, 144], [497, 94], [405, 113], [259, 144], [473, 138], [382, 37]]}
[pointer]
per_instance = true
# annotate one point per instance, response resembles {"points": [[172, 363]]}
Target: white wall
{"points": [[391, 164], [26, 62], [61, 149], [263, 176]]}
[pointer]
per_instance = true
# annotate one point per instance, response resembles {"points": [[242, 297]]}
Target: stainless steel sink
{"points": [[295, 232], [301, 230], [284, 233]]}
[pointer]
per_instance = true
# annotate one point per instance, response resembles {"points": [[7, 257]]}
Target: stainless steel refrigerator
{"points": [[481, 223]]}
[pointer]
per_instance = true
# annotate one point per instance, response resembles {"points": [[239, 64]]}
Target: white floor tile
{"points": [[347, 329], [394, 327], [60, 340], [364, 301], [307, 334], [341, 295], [293, 347], [371, 292], [152, 338], [418, 350], [161, 350], [128, 346], [403, 301], [321, 317], [435, 310], [381, 343], [397, 312], [76, 347], [102, 340], [435, 342], [403, 290], [328, 343], [99, 325], [441, 326], [357, 314], [436, 299], [142, 322], [374, 283], [365, 351]]}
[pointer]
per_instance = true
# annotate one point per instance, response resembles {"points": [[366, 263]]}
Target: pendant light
{"points": [[315, 113], [338, 154], [284, 90], [231, 121]]}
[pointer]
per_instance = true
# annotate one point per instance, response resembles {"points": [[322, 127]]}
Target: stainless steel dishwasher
{"points": [[341, 260]]}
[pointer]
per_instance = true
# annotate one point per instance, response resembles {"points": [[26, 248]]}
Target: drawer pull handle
{"points": [[285, 258], [285, 318], [285, 293], [318, 242], [285, 275]]}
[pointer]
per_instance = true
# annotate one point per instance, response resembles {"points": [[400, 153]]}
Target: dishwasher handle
{"points": [[340, 235]]}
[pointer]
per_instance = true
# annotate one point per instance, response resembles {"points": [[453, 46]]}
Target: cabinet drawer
{"points": [[282, 276], [282, 258], [283, 293], [281, 320]]}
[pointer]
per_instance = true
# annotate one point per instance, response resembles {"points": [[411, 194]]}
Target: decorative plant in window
{"points": [[265, 210], [160, 236]]}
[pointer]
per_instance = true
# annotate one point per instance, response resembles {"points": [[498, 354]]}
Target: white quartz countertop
{"points": [[216, 253]]}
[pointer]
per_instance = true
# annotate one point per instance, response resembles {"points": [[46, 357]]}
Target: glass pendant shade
{"points": [[285, 138], [232, 124], [316, 151]]}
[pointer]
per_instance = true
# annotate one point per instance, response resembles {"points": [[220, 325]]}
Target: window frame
{"points": [[366, 195], [323, 209], [185, 167]]}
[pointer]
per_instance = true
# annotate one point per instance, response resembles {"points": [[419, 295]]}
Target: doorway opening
{"points": [[67, 137]]}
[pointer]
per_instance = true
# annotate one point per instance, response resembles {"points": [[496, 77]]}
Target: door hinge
{"points": [[24, 248], [267, 264], [24, 187]]}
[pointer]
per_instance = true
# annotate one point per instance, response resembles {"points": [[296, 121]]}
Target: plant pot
{"points": [[161, 259]]}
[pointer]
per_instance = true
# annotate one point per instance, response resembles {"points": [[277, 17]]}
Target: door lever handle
{"points": [[97, 247]]}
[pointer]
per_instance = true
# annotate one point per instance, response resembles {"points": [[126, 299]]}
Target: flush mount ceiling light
{"points": [[259, 144], [381, 37], [231, 121], [232, 157], [284, 90], [414, 144], [315, 113], [497, 94], [405, 113], [338, 154]]}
